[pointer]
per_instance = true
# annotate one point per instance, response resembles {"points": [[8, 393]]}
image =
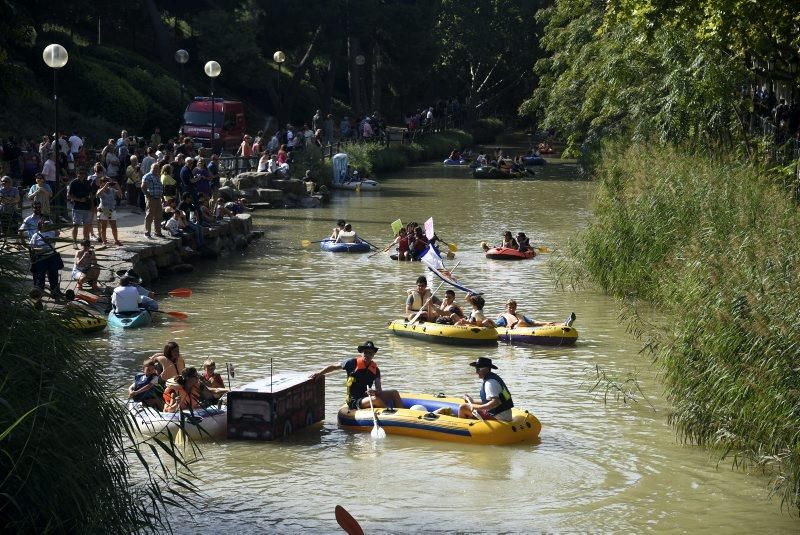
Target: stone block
{"points": [[292, 185], [272, 196], [251, 194]]}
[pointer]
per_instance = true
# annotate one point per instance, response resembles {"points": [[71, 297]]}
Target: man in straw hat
{"points": [[496, 402], [362, 372]]}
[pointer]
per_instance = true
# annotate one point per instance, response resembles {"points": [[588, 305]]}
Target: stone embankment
{"points": [[270, 190], [155, 257]]}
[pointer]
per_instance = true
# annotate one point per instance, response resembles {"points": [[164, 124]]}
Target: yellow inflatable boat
{"points": [[524, 427], [85, 324], [549, 335], [445, 334]]}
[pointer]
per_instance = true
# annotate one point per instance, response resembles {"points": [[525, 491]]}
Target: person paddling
{"points": [[420, 298], [496, 401], [362, 373]]}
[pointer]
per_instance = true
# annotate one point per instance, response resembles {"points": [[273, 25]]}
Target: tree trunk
{"points": [[376, 86], [162, 38]]}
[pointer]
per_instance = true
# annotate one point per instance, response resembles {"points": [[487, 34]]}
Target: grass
{"points": [[716, 244]]}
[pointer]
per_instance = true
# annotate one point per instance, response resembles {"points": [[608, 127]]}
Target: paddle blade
{"points": [[453, 247], [179, 315], [543, 249], [305, 243], [347, 522], [88, 298], [180, 292], [378, 432]]}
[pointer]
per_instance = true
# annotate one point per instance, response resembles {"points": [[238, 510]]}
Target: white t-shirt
{"points": [[172, 226], [75, 143], [126, 299], [477, 315], [49, 171], [493, 390], [347, 237]]}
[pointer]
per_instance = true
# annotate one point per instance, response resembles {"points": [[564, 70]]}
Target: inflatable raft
{"points": [[449, 161], [208, 423], [332, 247], [505, 253], [533, 160], [129, 320], [361, 185], [85, 324], [548, 335], [445, 334], [524, 427], [489, 171]]}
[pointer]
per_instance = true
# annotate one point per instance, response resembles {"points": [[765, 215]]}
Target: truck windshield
{"points": [[202, 118]]}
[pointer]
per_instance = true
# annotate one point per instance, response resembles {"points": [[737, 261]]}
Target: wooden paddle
{"points": [[347, 522]]}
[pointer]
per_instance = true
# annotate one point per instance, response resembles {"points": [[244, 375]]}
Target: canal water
{"points": [[601, 465]]}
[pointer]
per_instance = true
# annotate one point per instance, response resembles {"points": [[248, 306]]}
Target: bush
{"points": [[486, 130], [714, 243]]}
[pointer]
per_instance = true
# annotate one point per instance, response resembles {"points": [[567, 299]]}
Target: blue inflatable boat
{"points": [[331, 246], [533, 160]]}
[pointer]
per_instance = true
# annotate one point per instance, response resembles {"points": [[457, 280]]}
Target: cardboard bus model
{"points": [[274, 407]]}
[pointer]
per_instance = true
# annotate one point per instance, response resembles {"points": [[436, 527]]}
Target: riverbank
{"points": [[714, 243], [155, 258]]}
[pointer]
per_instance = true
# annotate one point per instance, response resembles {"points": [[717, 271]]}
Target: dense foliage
{"points": [[715, 244], [347, 58], [660, 70]]}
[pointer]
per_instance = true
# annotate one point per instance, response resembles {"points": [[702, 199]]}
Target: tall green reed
{"points": [[715, 244]]}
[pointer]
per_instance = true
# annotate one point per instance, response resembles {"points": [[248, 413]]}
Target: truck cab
{"points": [[230, 125]]}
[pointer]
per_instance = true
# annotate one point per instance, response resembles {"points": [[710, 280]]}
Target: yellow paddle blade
{"points": [[543, 249], [453, 247], [305, 243]]}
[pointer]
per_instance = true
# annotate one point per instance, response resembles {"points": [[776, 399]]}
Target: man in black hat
{"points": [[147, 296], [496, 402], [362, 372]]}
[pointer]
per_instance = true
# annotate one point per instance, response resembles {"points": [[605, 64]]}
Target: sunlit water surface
{"points": [[600, 466]]}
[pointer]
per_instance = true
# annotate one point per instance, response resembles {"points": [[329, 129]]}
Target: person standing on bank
{"points": [[153, 192], [362, 373], [496, 402]]}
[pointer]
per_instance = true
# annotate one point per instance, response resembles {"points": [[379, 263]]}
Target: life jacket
{"points": [[510, 318], [139, 381], [363, 376], [419, 299], [506, 402], [187, 400]]}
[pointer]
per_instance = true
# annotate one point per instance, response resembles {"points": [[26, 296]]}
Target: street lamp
{"points": [[55, 56], [182, 57], [213, 70], [279, 58]]}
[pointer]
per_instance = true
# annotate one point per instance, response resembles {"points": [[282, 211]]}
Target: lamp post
{"points": [[279, 58], [55, 56], [213, 70], [182, 57], [360, 60]]}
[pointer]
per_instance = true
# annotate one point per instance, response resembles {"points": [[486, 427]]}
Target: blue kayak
{"points": [[129, 320], [333, 247]]}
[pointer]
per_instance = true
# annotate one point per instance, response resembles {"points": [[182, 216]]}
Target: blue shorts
{"points": [[81, 217]]}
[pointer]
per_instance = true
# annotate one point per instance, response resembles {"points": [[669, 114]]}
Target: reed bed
{"points": [[70, 458], [716, 244]]}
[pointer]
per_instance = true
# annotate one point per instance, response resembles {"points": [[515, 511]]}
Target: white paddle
{"points": [[377, 431]]}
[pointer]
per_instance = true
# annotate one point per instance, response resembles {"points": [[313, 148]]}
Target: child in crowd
{"points": [[85, 268], [220, 211]]}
